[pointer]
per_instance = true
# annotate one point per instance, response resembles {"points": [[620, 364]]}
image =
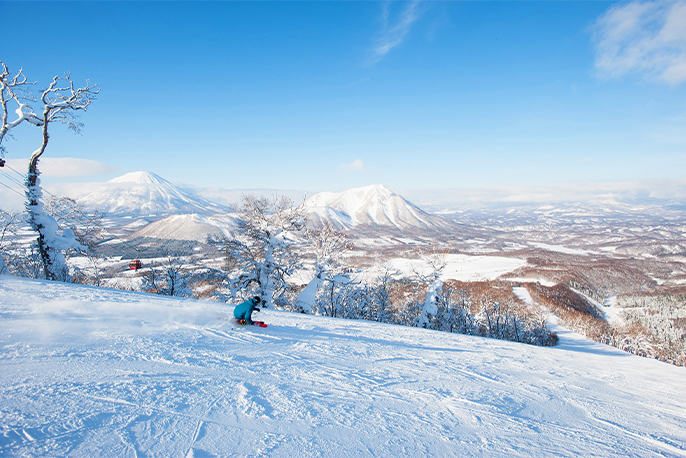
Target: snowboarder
{"points": [[243, 311]]}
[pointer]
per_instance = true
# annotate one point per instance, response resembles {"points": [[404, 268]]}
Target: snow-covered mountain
{"points": [[96, 372], [145, 194], [188, 227], [374, 205]]}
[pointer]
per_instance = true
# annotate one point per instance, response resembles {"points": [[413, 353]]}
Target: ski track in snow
{"points": [[95, 372]]}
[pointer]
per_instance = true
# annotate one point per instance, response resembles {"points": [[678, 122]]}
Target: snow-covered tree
{"points": [[88, 231], [436, 260], [328, 246], [8, 223], [16, 258], [176, 277], [14, 90], [170, 276], [260, 255], [152, 278], [655, 326], [86, 226], [68, 213], [380, 303], [61, 101], [454, 311], [342, 297]]}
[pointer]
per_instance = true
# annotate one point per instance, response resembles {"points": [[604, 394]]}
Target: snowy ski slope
{"points": [[94, 372]]}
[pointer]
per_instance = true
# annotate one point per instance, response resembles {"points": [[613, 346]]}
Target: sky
{"points": [[326, 96]]}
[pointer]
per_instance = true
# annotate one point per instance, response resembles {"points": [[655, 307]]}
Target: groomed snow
{"points": [[94, 372], [612, 312]]}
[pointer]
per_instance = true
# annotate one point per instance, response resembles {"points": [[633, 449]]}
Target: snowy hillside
{"points": [[145, 194], [96, 372], [187, 227], [370, 205]]}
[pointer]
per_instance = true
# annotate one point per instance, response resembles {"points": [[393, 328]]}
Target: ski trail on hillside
{"points": [[162, 377], [651, 440], [198, 434]]}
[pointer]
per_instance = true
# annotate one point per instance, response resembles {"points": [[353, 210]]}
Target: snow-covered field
{"points": [[561, 249], [95, 372], [459, 267]]}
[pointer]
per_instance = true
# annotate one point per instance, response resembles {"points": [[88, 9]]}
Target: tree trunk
{"points": [[35, 208]]}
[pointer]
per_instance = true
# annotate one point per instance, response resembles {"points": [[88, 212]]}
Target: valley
{"points": [[603, 257]]}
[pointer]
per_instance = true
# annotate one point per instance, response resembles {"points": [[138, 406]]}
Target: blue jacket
{"points": [[244, 310]]}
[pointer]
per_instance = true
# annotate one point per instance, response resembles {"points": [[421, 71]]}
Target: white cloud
{"points": [[64, 166], [394, 34], [355, 166], [11, 199], [643, 37]]}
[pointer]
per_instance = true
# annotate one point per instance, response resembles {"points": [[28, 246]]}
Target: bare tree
{"points": [[61, 102], [152, 281]]}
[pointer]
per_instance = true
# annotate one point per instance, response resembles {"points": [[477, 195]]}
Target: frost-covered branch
{"points": [[260, 254], [14, 89], [68, 213], [328, 245], [8, 222], [437, 260], [60, 104]]}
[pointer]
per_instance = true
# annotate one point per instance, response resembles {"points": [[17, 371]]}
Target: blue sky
{"points": [[333, 95]]}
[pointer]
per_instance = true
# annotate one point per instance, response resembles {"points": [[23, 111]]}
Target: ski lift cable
{"points": [[11, 178], [12, 181], [48, 192], [23, 183], [15, 181], [11, 189], [23, 176], [7, 166]]}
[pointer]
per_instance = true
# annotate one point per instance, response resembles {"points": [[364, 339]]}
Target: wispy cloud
{"points": [[355, 166], [394, 29], [643, 37]]}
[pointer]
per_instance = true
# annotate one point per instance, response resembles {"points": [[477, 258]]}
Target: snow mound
{"points": [[375, 205], [98, 372], [145, 194]]}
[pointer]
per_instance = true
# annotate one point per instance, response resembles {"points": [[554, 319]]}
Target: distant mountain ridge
{"points": [[179, 214], [374, 205], [146, 194]]}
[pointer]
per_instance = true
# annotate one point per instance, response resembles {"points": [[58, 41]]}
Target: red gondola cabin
{"points": [[135, 264]]}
